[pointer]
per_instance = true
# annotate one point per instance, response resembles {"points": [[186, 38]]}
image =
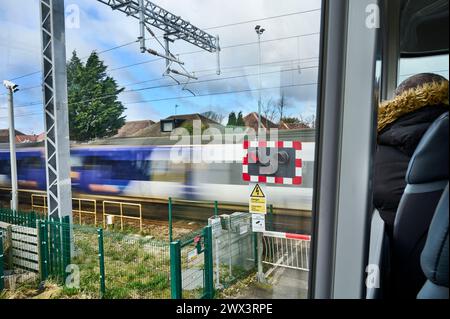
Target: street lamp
{"points": [[259, 31], [12, 88]]}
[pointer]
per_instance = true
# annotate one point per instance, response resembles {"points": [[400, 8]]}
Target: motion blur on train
{"points": [[197, 173]]}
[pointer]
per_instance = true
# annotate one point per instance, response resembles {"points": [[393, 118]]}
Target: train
{"points": [[195, 172]]}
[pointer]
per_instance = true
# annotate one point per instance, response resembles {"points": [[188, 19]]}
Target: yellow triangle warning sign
{"points": [[257, 192]]}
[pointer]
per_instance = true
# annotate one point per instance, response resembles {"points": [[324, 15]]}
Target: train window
{"points": [[76, 161], [4, 167], [30, 162], [437, 64], [166, 171]]}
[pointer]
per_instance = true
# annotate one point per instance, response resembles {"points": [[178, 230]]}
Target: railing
{"points": [[80, 211], [286, 250], [121, 215], [42, 205]]}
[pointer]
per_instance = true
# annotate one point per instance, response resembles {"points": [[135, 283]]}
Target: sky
{"points": [[290, 61], [289, 57]]}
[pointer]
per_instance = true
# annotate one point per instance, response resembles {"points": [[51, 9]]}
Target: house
{"points": [[166, 126]]}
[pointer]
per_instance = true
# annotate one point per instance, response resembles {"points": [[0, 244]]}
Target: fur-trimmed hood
{"points": [[429, 94]]}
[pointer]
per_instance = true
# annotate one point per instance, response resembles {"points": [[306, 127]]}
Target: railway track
{"points": [[156, 210]]}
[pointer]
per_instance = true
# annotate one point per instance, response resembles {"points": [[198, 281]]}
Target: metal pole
{"points": [[101, 259], [2, 278], [142, 25], [216, 209], [259, 82], [218, 71], [57, 144], [209, 274], [12, 150], [259, 250], [170, 219], [175, 270], [166, 44]]}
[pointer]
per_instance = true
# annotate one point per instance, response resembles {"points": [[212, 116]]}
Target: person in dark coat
{"points": [[402, 122]]}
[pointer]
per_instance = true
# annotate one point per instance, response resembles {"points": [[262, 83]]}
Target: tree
{"points": [[214, 116], [232, 120], [307, 122], [240, 120], [281, 106], [291, 120], [94, 109], [269, 110]]}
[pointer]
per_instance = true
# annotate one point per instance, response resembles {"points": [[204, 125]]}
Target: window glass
{"points": [[433, 64]]}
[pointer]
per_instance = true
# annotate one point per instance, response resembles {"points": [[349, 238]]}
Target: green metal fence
{"points": [[2, 277], [136, 266], [233, 248], [192, 266], [20, 218], [91, 262]]}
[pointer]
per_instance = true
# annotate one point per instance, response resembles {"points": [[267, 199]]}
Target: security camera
{"points": [[10, 85], [257, 27], [262, 30]]}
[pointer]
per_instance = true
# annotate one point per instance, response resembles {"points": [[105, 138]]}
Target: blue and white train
{"points": [[200, 173]]}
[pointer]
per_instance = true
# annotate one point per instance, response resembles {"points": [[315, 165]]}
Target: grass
{"points": [[136, 267]]}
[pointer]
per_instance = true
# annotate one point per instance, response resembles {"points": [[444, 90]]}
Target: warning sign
{"points": [[257, 192], [258, 200]]}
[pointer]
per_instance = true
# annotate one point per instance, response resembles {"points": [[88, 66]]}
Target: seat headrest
{"points": [[429, 162], [434, 258]]}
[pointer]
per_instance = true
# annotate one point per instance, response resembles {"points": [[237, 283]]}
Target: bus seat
{"points": [[434, 258], [426, 179]]}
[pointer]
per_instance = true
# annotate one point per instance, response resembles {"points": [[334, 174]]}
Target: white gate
{"points": [[286, 250]]}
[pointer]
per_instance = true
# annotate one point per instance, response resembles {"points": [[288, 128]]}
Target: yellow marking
{"points": [[257, 192]]}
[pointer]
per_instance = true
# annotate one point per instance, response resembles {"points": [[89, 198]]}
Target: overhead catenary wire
{"points": [[202, 95], [178, 84], [209, 28]]}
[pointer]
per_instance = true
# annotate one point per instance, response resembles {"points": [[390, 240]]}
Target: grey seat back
{"points": [[434, 258], [426, 178]]}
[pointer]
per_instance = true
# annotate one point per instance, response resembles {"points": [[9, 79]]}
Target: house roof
{"points": [[292, 126], [5, 132], [155, 129], [133, 127], [4, 135], [251, 121]]}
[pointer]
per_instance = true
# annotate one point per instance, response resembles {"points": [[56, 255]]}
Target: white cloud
{"points": [[102, 28]]}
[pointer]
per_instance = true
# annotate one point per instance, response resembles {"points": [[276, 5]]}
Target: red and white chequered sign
{"points": [[295, 180]]}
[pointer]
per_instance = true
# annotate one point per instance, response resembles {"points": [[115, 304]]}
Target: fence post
{"points": [[43, 248], [101, 257], [175, 270], [170, 219], [66, 244], [2, 277], [270, 217], [216, 209], [209, 275], [255, 248]]}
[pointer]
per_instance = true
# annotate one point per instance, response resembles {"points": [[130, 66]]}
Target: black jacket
{"points": [[396, 145]]}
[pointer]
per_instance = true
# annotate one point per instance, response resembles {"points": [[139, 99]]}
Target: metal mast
{"points": [[174, 28], [57, 144]]}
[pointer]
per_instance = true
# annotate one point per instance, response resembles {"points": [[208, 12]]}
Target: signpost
{"points": [[268, 162]]}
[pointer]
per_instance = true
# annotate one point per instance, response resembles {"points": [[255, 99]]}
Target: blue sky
{"points": [[290, 51], [101, 28]]}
